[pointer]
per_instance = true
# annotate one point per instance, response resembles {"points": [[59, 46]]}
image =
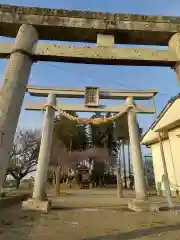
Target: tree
{"points": [[77, 137], [68, 136], [103, 135], [71, 133], [24, 154]]}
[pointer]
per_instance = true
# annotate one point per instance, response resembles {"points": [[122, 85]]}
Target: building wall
{"points": [[174, 140], [158, 166]]}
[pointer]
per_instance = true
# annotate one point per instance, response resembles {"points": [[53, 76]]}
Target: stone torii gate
{"points": [[29, 25], [128, 128]]}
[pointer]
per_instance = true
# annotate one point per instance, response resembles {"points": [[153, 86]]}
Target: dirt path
{"points": [[91, 224]]}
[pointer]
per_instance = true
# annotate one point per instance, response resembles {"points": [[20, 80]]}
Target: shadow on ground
{"points": [[138, 233], [17, 223], [122, 208], [61, 194]]}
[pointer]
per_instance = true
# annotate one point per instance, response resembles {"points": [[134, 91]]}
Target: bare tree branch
{"points": [[24, 155]]}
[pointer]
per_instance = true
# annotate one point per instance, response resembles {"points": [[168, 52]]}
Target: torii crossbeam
{"points": [[121, 123], [39, 91]]}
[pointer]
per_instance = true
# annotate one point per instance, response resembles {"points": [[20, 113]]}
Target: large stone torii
{"points": [[128, 129], [103, 28]]}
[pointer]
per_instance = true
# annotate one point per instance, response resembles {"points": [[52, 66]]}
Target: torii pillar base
{"points": [[33, 204], [142, 206]]}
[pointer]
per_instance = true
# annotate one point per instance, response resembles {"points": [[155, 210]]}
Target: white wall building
{"points": [[168, 125]]}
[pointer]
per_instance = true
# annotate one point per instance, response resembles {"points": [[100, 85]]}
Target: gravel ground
{"points": [[88, 223]]}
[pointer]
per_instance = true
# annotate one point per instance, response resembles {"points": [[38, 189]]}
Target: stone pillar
{"points": [[138, 168], [13, 91], [39, 200], [119, 181], [124, 165], [174, 48], [118, 175], [45, 149], [129, 166], [57, 186]]}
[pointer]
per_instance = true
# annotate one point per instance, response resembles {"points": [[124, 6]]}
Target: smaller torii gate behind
{"points": [[126, 128]]}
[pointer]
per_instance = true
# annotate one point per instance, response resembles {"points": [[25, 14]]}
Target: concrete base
{"points": [[36, 205], [173, 193], [142, 205]]}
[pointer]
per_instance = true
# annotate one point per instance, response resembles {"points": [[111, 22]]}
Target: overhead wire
{"points": [[91, 77]]}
